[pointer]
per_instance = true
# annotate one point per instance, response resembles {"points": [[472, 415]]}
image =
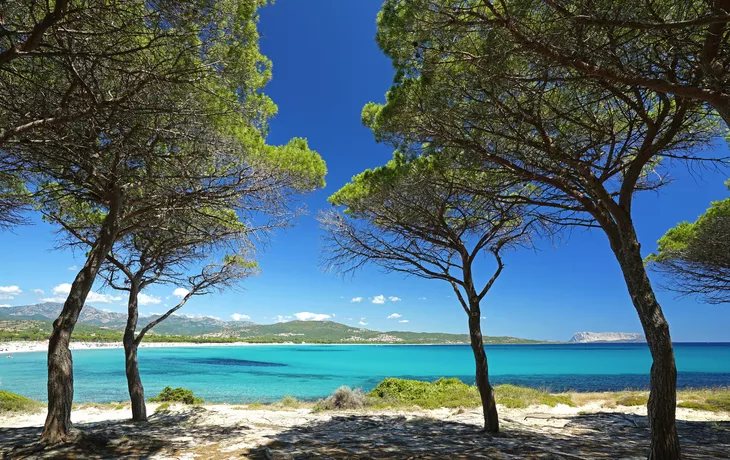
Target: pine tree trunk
{"points": [[486, 393], [134, 382], [58, 427], [724, 111], [663, 395]]}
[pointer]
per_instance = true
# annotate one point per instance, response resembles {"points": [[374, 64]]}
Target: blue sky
{"points": [[326, 67]]}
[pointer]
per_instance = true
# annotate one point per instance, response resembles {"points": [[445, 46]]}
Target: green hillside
{"points": [[293, 331]]}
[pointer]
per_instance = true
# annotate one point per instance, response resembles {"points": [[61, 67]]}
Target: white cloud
{"points": [[394, 316], [404, 321], [38, 291], [307, 316], [9, 292], [421, 298], [394, 299], [60, 293], [4, 305], [362, 323], [144, 299], [379, 299], [73, 268], [240, 317], [180, 292], [483, 317], [356, 299], [281, 319]]}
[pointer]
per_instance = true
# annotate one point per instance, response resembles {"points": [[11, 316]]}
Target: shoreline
{"points": [[34, 346]]}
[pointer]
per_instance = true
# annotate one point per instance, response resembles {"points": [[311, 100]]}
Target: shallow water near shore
{"points": [[268, 373]]}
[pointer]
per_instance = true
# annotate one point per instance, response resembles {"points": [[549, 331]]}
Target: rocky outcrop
{"points": [[599, 337]]}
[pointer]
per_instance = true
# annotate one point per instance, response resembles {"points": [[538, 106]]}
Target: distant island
{"points": [[605, 337], [34, 323]]}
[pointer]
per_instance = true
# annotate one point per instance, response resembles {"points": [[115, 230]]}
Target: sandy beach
{"points": [[228, 431]]}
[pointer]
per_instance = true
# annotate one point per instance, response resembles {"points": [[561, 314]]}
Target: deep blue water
{"points": [[267, 373]]}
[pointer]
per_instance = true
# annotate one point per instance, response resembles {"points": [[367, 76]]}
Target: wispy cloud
{"points": [[362, 322], [60, 293], [394, 299], [180, 292], [394, 316], [421, 298], [240, 317], [4, 305], [38, 292], [356, 299], [379, 299], [9, 292], [144, 299], [281, 319], [404, 321], [307, 316], [73, 268]]}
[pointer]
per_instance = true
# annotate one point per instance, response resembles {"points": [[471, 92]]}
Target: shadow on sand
{"points": [[365, 436]]}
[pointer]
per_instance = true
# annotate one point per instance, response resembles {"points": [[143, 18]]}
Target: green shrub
{"points": [[180, 395], [343, 398], [633, 400], [289, 401], [11, 402], [720, 402], [521, 397], [164, 407], [428, 395], [695, 405]]}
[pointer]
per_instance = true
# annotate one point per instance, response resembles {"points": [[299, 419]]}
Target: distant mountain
{"points": [[598, 337], [102, 325], [174, 325]]}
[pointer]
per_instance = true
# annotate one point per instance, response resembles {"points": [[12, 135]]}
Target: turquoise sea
{"points": [[268, 373]]}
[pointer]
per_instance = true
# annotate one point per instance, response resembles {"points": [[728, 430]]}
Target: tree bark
{"points": [[724, 111], [58, 427], [663, 395], [134, 382], [486, 392]]}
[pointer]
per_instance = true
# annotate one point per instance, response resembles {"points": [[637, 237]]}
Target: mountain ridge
{"points": [[103, 325]]}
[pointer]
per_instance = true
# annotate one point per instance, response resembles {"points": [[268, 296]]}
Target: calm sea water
{"points": [[267, 373]]}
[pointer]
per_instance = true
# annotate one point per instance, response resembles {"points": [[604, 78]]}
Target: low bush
{"points": [[342, 399], [11, 402], [289, 401], [521, 397], [633, 400], [180, 395], [428, 395], [695, 405], [164, 407]]}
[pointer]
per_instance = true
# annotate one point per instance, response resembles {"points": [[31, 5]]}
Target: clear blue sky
{"points": [[326, 67]]}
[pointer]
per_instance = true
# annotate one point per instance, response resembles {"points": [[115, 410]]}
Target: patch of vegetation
{"points": [[12, 402], [343, 398], [180, 395], [443, 392], [520, 397], [633, 400], [164, 407], [713, 400], [695, 405], [289, 401]]}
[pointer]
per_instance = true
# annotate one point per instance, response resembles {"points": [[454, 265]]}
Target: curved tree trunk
{"points": [[134, 382], [58, 427], [486, 393], [663, 395]]}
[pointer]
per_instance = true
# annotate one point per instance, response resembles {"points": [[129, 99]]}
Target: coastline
{"points": [[35, 346]]}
